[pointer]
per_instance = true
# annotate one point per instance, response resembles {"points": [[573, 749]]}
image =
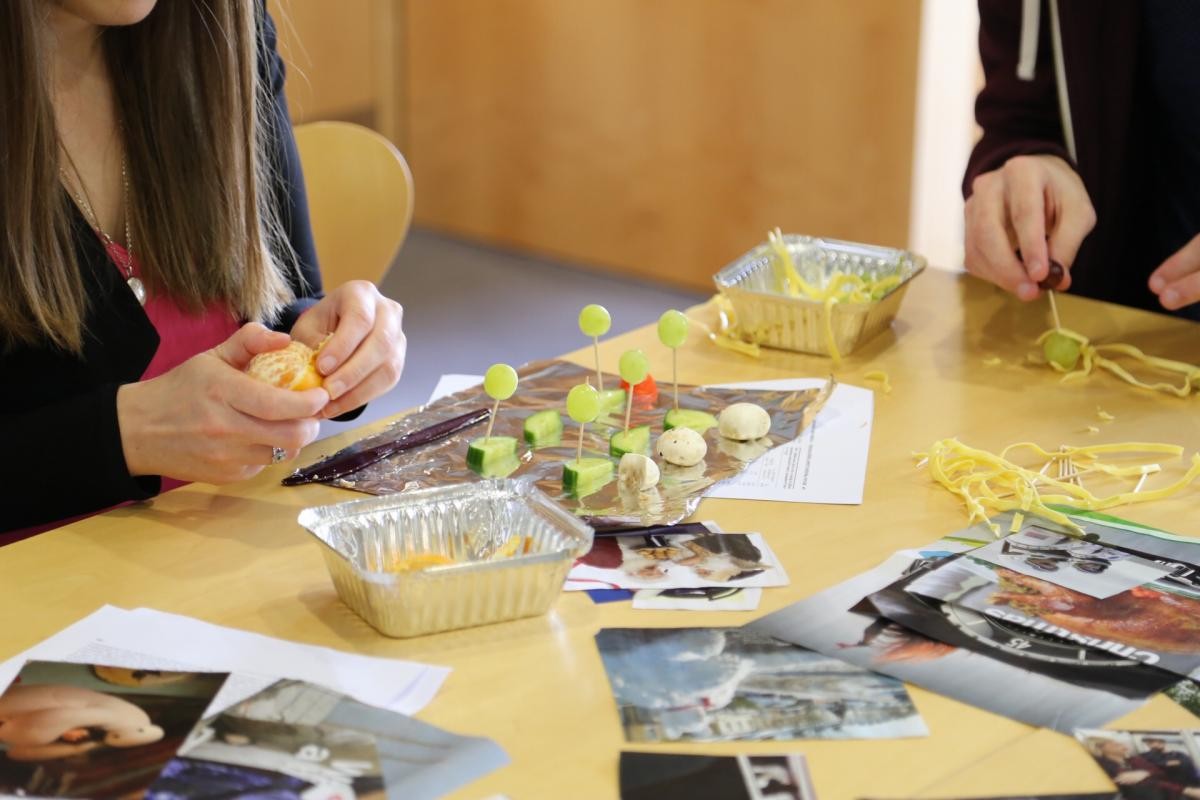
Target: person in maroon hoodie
{"points": [[1090, 154]]}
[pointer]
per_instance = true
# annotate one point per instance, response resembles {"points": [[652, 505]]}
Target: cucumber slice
{"points": [[493, 456], [612, 400], [582, 476], [699, 421], [634, 440], [544, 428]]}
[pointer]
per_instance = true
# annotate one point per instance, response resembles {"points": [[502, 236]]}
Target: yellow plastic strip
{"points": [[1092, 357], [988, 483], [881, 376]]}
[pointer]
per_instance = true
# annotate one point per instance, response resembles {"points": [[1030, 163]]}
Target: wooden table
{"points": [[235, 556]]}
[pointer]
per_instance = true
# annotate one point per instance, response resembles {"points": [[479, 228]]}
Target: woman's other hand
{"points": [[365, 356], [206, 420], [1035, 204], [1177, 280]]}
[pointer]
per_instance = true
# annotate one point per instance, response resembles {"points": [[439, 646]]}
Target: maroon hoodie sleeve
{"points": [[1018, 117]]}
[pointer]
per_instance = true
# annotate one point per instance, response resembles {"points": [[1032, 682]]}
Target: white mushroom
{"points": [[637, 472], [744, 422], [682, 447]]}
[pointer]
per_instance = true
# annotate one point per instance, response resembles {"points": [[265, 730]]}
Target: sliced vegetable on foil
{"points": [[544, 385]]}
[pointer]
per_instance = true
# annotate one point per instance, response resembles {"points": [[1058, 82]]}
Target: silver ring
{"points": [[278, 454]]}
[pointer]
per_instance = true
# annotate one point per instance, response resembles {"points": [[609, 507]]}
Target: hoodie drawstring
{"points": [[1031, 20]]}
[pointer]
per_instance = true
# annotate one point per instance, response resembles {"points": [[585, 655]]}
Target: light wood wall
{"points": [[344, 61], [659, 138]]}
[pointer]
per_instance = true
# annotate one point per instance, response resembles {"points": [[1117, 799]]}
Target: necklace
{"points": [[123, 259]]}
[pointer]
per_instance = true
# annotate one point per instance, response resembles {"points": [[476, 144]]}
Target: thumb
{"points": [[250, 340]]}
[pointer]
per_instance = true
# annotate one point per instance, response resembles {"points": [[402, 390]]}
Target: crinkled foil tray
{"points": [[545, 384], [510, 544], [771, 318]]}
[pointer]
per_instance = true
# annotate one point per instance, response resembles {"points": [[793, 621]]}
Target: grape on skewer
{"points": [[594, 321], [673, 331]]}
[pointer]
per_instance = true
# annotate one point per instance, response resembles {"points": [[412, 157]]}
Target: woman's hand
{"points": [[1035, 204], [206, 420], [1177, 280], [365, 356]]}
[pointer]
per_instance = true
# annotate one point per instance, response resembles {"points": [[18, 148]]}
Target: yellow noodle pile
{"points": [[1094, 355], [840, 288], [990, 484]]}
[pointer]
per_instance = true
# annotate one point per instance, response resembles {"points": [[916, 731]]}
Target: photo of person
{"points": [[1176, 764], [293, 761], [683, 561], [77, 730], [1146, 765], [299, 741]]}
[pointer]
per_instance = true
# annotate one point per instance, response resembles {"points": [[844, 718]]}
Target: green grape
{"points": [[594, 320], [633, 367], [583, 403], [500, 381], [1062, 350], [672, 328]]}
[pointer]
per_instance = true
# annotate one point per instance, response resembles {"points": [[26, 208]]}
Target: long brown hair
{"points": [[197, 137]]}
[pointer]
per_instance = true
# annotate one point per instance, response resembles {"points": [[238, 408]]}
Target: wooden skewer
{"points": [[1054, 310], [492, 420], [599, 374], [582, 425], [675, 373]]}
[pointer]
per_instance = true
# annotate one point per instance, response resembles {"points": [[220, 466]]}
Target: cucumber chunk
{"points": [[699, 421], [493, 456], [544, 428], [612, 400], [582, 476], [634, 440]]}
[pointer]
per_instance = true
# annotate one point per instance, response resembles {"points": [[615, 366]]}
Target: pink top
{"points": [[181, 334]]}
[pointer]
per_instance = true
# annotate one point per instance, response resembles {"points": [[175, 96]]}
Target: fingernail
{"points": [[335, 389], [1170, 298], [326, 364], [1027, 291], [1157, 284]]}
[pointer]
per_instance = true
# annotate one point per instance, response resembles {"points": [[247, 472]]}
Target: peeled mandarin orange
{"points": [[294, 367]]}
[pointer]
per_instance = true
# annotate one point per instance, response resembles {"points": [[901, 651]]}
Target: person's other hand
{"points": [[1131, 776], [1177, 280], [1191, 791], [206, 420], [365, 355], [1035, 204]]}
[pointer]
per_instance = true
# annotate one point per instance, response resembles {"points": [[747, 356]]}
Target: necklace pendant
{"points": [[138, 288]]}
